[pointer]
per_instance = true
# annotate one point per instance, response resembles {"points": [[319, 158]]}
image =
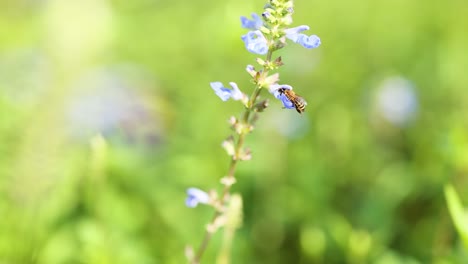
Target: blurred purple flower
{"points": [[254, 24], [255, 42], [397, 101], [112, 102], [196, 196]]}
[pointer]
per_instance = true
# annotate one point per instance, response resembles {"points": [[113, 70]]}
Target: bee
{"points": [[298, 102]]}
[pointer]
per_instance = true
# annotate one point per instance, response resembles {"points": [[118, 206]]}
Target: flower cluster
{"points": [[270, 32]]}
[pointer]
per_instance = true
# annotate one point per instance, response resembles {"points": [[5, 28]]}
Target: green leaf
{"points": [[457, 213]]}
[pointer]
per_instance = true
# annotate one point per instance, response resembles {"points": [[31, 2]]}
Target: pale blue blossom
{"points": [[255, 42], [309, 42], [226, 93], [281, 96], [291, 33], [254, 24], [196, 196]]}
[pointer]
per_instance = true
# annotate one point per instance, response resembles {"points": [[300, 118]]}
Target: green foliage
{"points": [[338, 185], [457, 213]]}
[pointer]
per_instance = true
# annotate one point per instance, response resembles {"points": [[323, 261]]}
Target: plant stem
{"points": [[233, 165]]}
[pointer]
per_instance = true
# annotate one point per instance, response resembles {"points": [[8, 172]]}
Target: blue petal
{"points": [[292, 33], [255, 23], [196, 196], [236, 94], [191, 202], [274, 89], [226, 93], [252, 36], [286, 102], [257, 48], [221, 91], [255, 42], [280, 96], [310, 42]]}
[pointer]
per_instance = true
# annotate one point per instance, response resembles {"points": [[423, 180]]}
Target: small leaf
{"points": [[242, 128], [233, 222], [228, 180], [245, 154], [254, 119], [233, 122], [279, 62], [265, 30], [228, 145], [189, 253], [261, 62], [457, 212], [234, 213], [217, 223], [261, 106]]}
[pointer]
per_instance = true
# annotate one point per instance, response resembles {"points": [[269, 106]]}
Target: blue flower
{"points": [[196, 196], [291, 33], [226, 93], [266, 15], [251, 70], [254, 24], [309, 42], [281, 96], [255, 42]]}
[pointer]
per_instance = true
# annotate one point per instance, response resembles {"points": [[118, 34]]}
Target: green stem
{"points": [[233, 165]]}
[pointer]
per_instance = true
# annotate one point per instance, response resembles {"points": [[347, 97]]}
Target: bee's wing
{"points": [[301, 100]]}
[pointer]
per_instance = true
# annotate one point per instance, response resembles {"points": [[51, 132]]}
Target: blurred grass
{"points": [[338, 185]]}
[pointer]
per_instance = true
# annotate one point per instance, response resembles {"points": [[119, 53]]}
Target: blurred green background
{"points": [[358, 179]]}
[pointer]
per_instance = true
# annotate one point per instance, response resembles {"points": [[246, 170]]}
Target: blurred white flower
{"points": [[396, 101], [289, 124]]}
